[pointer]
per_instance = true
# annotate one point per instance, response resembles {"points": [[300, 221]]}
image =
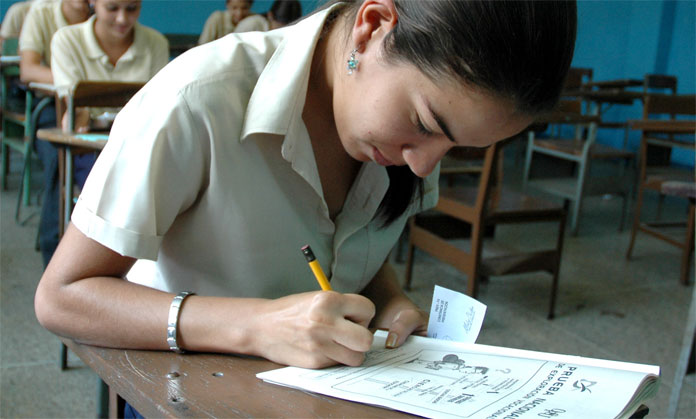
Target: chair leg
{"points": [[528, 160], [63, 357], [410, 254], [689, 246], [5, 166], [636, 221], [409, 266], [557, 264]]}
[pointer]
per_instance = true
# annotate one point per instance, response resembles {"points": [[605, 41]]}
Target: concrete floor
{"points": [[607, 307]]}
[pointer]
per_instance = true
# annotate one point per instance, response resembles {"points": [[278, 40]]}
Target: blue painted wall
{"points": [[617, 38]]}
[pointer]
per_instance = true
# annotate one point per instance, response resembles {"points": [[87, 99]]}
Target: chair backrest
{"points": [[656, 83], [10, 46], [660, 106], [471, 203], [104, 94], [673, 105], [576, 78]]}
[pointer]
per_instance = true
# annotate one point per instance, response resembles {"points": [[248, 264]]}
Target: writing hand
{"points": [[316, 329]]}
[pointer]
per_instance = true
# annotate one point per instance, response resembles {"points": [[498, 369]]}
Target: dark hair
{"points": [[517, 50], [286, 11]]}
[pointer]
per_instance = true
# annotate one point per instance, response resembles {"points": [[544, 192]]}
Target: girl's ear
{"points": [[374, 19]]}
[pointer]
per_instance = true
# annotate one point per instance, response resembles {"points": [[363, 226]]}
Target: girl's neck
{"points": [[73, 15], [112, 46], [337, 169]]}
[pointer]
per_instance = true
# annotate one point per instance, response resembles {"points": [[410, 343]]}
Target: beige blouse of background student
{"points": [[235, 18]]}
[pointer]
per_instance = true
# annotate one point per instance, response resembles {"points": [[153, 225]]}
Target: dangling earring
{"points": [[352, 62]]}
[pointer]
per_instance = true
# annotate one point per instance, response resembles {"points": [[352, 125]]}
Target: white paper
{"points": [[455, 316], [440, 379]]}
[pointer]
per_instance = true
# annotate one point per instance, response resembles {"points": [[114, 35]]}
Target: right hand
{"points": [[82, 120], [316, 329]]}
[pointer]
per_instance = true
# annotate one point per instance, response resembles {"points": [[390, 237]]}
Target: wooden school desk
{"points": [[163, 383]]}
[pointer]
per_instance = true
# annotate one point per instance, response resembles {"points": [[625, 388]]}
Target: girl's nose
{"points": [[423, 158], [121, 16]]}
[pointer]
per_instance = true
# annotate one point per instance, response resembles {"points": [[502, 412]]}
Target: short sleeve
{"points": [[152, 169], [14, 18], [31, 38], [65, 62]]}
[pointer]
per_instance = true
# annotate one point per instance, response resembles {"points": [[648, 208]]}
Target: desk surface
{"points": [[207, 385], [9, 60], [613, 84], [665, 126], [95, 141], [617, 96]]}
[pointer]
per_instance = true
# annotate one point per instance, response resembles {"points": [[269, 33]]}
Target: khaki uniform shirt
{"points": [[218, 25], [209, 171], [77, 56], [42, 21], [252, 23], [12, 23]]}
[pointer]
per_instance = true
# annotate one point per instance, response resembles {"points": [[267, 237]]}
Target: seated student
{"points": [[222, 22], [13, 20], [329, 133], [110, 46], [283, 12], [42, 21]]}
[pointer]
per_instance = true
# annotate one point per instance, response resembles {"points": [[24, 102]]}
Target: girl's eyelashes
{"points": [[422, 129]]}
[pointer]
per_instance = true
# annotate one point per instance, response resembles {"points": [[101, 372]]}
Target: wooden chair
{"points": [[104, 94], [576, 142], [18, 127], [663, 178], [481, 206], [575, 80]]}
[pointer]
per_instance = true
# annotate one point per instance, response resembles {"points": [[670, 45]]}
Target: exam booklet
{"points": [[445, 379]]}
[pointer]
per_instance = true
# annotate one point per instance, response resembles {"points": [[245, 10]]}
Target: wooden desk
{"points": [[610, 96], [7, 60], [614, 84], [669, 126], [161, 384]]}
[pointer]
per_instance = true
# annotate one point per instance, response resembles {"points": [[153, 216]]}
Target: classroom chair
{"points": [[481, 206], [663, 177], [575, 81], [575, 142], [19, 127]]}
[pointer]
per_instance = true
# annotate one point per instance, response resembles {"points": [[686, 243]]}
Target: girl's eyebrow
{"points": [[441, 123]]}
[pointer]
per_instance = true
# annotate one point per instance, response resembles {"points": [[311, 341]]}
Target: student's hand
{"points": [[316, 329], [403, 318], [82, 120]]}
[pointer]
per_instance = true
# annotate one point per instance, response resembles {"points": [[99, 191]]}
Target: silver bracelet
{"points": [[173, 320]]}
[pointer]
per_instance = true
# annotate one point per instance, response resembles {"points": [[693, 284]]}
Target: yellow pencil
{"points": [[316, 268]]}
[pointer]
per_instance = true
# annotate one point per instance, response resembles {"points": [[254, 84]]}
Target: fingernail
{"points": [[391, 340]]}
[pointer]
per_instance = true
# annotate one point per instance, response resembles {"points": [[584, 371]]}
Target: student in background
{"points": [[13, 20], [327, 133], [222, 22], [42, 21], [110, 46], [283, 12]]}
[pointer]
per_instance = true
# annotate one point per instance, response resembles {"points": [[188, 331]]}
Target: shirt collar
{"points": [[279, 96]]}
